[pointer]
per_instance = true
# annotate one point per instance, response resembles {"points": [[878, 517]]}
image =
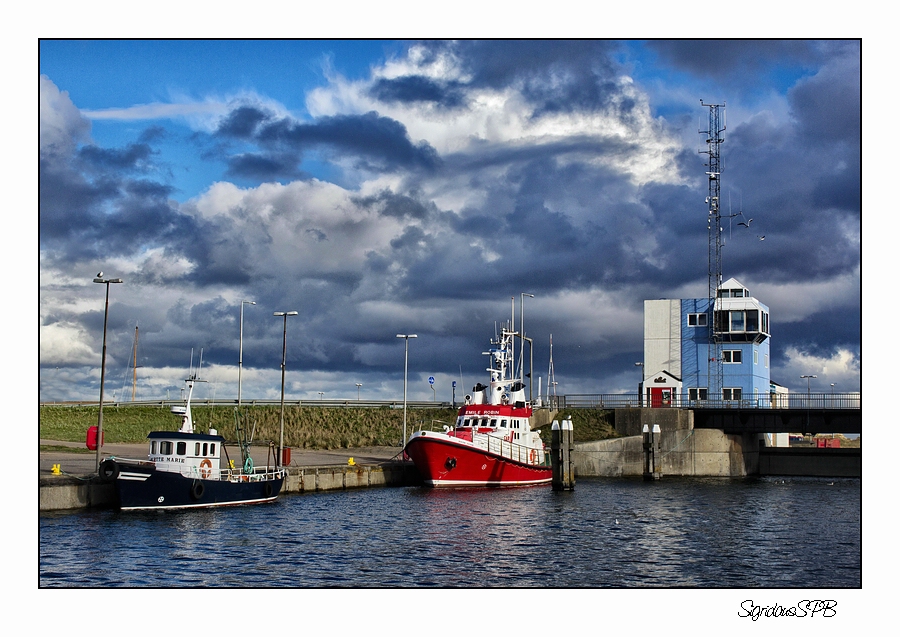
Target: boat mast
{"points": [[134, 364]]}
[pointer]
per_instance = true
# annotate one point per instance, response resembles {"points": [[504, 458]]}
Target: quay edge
{"points": [[60, 493]]}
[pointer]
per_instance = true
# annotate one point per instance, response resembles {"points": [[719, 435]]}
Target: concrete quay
{"points": [[78, 487]]}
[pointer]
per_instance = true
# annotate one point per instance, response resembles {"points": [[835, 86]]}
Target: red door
{"points": [[660, 397]]}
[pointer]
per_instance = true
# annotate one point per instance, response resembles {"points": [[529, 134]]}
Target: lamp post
{"points": [[640, 385], [406, 338], [241, 350], [807, 377], [522, 331], [358, 385], [100, 279], [283, 349]]}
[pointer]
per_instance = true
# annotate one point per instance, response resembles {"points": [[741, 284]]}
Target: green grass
{"points": [[305, 427]]}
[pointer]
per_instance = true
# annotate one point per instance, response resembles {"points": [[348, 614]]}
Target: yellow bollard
{"points": [[351, 462], [55, 470]]}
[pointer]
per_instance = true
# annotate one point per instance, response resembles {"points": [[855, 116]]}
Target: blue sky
{"points": [[384, 187]]}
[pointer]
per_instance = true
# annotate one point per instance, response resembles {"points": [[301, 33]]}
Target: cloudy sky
{"points": [[388, 187]]}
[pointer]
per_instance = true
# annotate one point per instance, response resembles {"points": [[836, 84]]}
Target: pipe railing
{"points": [[794, 400], [798, 400]]}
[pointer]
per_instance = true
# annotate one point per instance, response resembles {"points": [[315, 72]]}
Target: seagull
{"points": [[761, 237], [746, 225], [99, 275]]}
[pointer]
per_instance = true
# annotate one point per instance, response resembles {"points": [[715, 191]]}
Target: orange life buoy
{"points": [[532, 456], [205, 468]]}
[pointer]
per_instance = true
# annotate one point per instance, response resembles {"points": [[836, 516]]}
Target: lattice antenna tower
{"points": [[713, 165]]}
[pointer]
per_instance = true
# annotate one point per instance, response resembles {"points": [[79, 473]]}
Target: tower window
{"points": [[731, 356], [696, 320]]}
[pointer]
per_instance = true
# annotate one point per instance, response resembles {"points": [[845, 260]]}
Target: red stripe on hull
{"points": [[442, 462]]}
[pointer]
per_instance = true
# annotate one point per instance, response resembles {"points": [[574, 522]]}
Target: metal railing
{"points": [[798, 400], [812, 400]]}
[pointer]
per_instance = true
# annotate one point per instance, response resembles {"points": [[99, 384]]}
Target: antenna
{"points": [[714, 229]]}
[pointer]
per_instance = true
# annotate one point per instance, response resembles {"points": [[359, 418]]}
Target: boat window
{"points": [[204, 449], [493, 422], [503, 423], [165, 447], [153, 447], [212, 449], [196, 448], [181, 449]]}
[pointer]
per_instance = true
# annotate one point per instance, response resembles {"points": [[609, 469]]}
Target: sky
{"points": [[384, 187]]}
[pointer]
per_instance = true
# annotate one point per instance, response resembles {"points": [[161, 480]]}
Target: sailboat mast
{"points": [[134, 365]]}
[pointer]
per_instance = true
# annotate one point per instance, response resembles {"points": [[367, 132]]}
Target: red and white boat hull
{"points": [[447, 461]]}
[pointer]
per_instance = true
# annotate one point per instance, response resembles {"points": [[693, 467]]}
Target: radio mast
{"points": [[714, 228]]}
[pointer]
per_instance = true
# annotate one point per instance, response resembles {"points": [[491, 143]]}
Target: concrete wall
{"points": [[683, 452], [630, 421]]}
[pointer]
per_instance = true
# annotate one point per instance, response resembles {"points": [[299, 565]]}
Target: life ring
{"points": [[531, 456], [205, 468], [197, 489], [268, 489], [109, 470]]}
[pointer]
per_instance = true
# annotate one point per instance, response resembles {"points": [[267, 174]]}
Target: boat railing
{"points": [[436, 425], [511, 450], [258, 474]]}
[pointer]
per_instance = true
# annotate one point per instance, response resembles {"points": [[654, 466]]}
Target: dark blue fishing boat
{"points": [[183, 470]]}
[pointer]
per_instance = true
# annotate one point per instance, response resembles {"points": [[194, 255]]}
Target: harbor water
{"points": [[620, 533]]}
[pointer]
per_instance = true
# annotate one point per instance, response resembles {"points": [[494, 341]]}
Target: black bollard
{"points": [[562, 446]]}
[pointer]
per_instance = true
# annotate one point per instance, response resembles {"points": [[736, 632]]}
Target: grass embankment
{"points": [[305, 427]]}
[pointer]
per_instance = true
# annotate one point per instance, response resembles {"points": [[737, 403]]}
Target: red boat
{"points": [[491, 444]]}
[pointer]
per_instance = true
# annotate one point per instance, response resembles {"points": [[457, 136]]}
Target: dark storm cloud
{"points": [[265, 166], [377, 142], [554, 75], [242, 122], [391, 204], [131, 158], [92, 206], [417, 88], [720, 58]]}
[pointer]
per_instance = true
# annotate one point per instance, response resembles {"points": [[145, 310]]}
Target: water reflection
{"points": [[605, 533]]}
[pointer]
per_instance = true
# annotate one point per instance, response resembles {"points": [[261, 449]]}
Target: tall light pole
{"points": [[358, 385], [522, 331], [283, 349], [406, 338], [807, 377], [641, 385], [100, 279], [241, 351]]}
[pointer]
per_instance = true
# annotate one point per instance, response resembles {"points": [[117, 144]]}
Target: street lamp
{"points": [[641, 385], [807, 377], [241, 351], [358, 385], [100, 279], [406, 338], [283, 349], [522, 332]]}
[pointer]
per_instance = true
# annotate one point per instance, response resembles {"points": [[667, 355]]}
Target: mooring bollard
{"points": [[562, 444], [657, 456], [651, 441]]}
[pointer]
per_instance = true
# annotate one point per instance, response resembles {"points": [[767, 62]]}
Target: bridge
{"points": [[807, 413]]}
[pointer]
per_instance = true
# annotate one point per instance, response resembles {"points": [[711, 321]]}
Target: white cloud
{"points": [[61, 124]]}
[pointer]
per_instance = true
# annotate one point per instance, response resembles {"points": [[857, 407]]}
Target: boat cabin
{"points": [[190, 454]]}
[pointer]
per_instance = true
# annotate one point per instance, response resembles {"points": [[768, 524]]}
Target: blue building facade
{"points": [[697, 353]]}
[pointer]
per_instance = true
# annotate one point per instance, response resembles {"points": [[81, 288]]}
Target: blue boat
{"points": [[184, 470]]}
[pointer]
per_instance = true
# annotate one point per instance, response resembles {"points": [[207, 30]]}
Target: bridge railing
{"points": [[812, 400]]}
